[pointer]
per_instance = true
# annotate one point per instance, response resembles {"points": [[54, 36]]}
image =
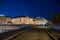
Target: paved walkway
{"points": [[32, 35]]}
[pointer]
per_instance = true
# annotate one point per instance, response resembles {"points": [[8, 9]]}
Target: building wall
{"points": [[8, 21], [4, 20], [22, 20], [40, 21]]}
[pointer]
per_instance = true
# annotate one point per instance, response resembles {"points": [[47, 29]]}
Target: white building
{"points": [[23, 20], [39, 21]]}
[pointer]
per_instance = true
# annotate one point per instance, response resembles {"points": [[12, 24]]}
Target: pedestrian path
{"points": [[32, 35]]}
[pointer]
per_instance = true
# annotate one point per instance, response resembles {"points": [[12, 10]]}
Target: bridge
{"points": [[30, 32]]}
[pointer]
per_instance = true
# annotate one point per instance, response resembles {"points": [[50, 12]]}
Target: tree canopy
{"points": [[55, 17]]}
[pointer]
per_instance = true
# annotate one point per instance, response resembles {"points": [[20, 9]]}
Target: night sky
{"points": [[31, 8]]}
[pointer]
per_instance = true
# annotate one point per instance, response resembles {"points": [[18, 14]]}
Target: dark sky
{"points": [[32, 8]]}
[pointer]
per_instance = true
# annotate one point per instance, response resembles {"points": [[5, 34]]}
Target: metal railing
{"points": [[7, 28]]}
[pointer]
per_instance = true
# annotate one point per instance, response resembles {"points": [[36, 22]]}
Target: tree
{"points": [[55, 17]]}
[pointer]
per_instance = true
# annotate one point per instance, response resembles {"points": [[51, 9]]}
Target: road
{"points": [[32, 34]]}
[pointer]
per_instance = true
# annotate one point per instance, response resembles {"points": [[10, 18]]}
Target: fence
{"points": [[7, 28]]}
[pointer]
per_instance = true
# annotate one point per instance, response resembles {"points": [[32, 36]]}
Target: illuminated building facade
{"points": [[8, 20], [23, 20], [4, 20], [40, 20]]}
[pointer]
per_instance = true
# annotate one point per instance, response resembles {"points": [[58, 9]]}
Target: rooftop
{"points": [[20, 16]]}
